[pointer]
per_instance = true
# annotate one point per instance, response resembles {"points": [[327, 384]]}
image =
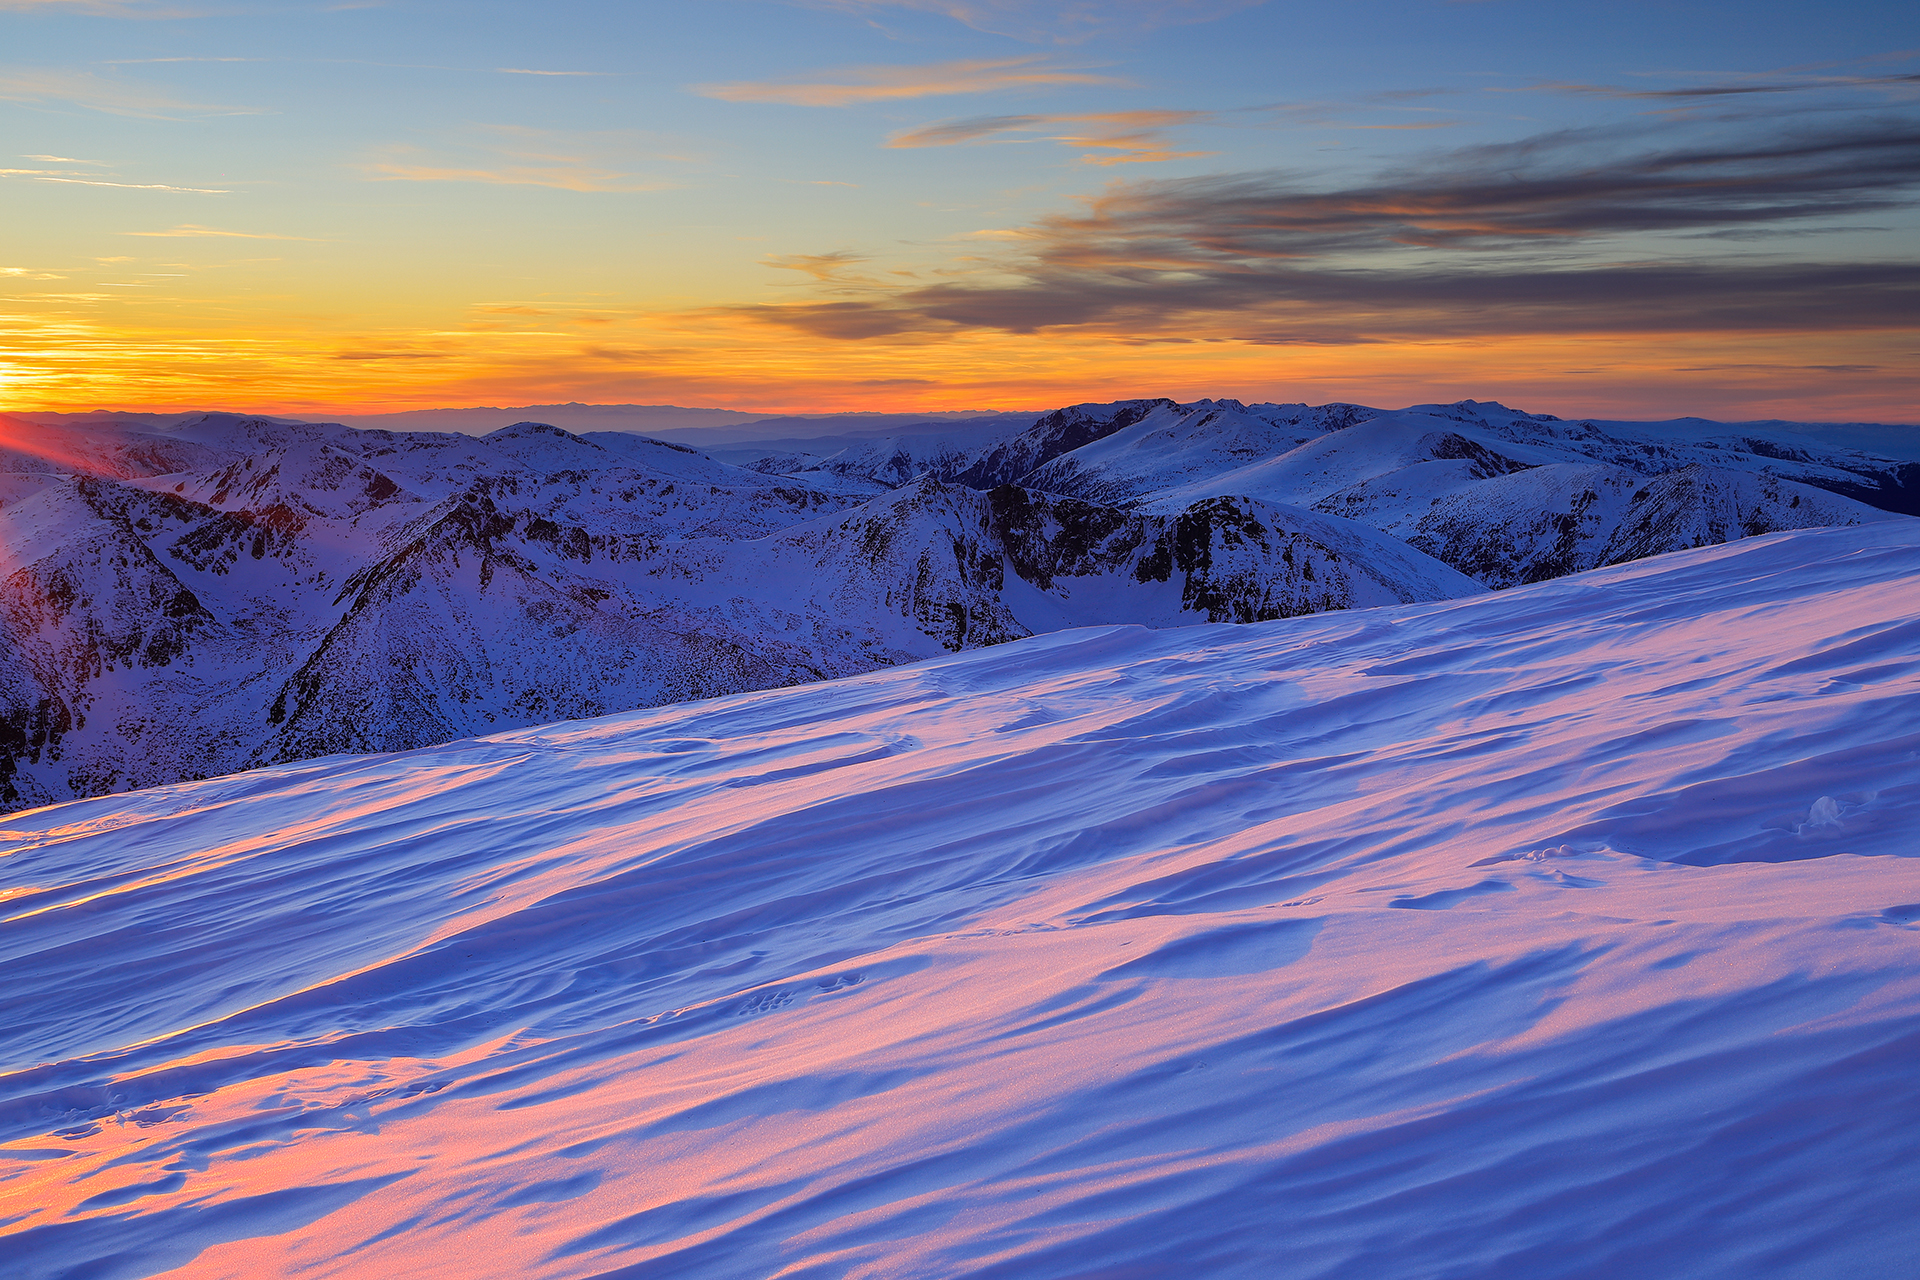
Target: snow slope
{"points": [[1568, 931]]}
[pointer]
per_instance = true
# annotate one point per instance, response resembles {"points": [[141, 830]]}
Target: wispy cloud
{"points": [[514, 155], [104, 8], [44, 175], [828, 268], [561, 174], [188, 230], [99, 93], [356, 62], [1057, 21], [1793, 368], [1736, 88], [1550, 234], [141, 186], [885, 84], [1130, 137], [1113, 137]]}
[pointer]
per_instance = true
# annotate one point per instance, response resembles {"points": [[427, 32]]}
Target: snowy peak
{"points": [[1337, 416], [1165, 447], [544, 448], [1361, 471], [28, 447], [1059, 432]]}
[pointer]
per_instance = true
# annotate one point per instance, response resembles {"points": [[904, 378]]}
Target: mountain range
{"points": [[189, 597]]}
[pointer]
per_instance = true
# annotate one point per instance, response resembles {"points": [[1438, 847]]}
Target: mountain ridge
{"points": [[228, 591]]}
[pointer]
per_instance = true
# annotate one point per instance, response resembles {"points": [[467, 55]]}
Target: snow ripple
{"points": [[1566, 932]]}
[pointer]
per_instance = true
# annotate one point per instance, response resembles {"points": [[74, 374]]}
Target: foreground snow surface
{"points": [[1568, 931]]}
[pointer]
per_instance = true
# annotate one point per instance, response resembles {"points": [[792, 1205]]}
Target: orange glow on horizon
{"points": [[537, 353]]}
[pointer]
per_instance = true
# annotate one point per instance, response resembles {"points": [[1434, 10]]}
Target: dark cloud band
{"points": [[1561, 232]]}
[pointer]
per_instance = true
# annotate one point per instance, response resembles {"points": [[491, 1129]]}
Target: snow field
{"points": [[1568, 931]]}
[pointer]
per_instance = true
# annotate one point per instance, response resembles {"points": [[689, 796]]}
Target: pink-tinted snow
{"points": [[1563, 932]]}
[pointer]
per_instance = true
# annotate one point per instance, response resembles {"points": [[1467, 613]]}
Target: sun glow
{"points": [[105, 351]]}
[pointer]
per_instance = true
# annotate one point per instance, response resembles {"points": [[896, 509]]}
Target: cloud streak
{"points": [[517, 156], [188, 230], [1533, 236], [41, 175], [98, 93], [103, 8], [1739, 89], [1114, 137], [827, 268], [887, 84], [1122, 137], [1058, 21]]}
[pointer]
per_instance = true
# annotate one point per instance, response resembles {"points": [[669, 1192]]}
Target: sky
{"points": [[1637, 209]]}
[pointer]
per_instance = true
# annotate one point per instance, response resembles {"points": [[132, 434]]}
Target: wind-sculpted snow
{"points": [[1568, 931]]}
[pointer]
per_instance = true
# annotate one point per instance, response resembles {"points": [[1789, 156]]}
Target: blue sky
{"points": [[1706, 207]]}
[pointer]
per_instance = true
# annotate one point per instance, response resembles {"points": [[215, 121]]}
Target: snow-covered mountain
{"points": [[1560, 518], [870, 464], [1556, 933], [1502, 495], [185, 598], [233, 592], [1146, 446]]}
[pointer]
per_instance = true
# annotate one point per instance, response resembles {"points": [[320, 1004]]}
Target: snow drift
{"points": [[1568, 931]]}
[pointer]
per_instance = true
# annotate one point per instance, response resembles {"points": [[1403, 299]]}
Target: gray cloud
{"points": [[1535, 235], [1345, 307], [1741, 89]]}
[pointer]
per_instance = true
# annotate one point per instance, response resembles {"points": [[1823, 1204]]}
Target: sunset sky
{"points": [[1632, 208]]}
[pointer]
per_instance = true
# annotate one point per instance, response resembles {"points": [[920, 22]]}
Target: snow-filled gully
{"points": [[1571, 931]]}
